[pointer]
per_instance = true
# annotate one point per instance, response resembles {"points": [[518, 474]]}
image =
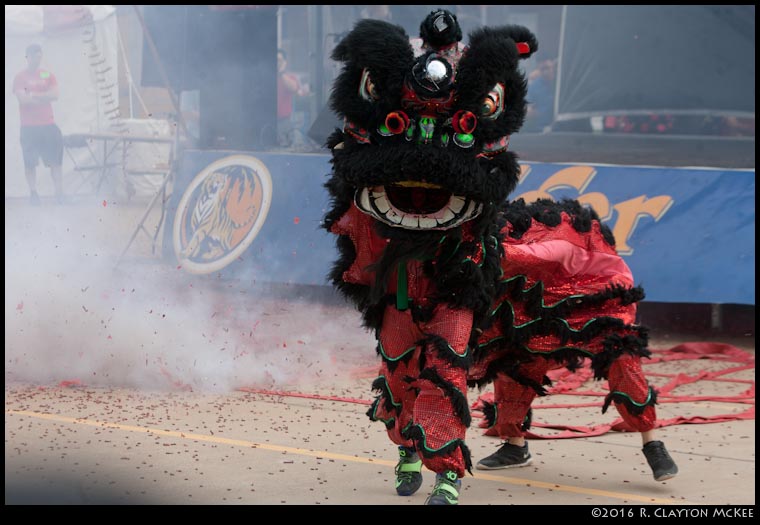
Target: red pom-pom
{"points": [[464, 122], [397, 122]]}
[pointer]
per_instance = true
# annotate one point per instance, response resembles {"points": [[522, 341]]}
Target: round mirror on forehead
{"points": [[432, 75], [436, 70]]}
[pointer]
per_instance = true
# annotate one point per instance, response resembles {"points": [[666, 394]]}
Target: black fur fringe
{"points": [[458, 399], [633, 408], [416, 434]]}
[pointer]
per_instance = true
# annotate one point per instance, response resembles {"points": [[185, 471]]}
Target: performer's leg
{"points": [[630, 392], [400, 361], [509, 416], [635, 399], [441, 416], [398, 396], [395, 404], [441, 411]]}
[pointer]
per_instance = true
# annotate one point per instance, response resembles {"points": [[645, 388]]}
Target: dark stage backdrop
{"points": [[683, 58], [229, 54]]}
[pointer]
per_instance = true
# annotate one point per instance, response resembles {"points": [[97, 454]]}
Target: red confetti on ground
{"points": [[296, 220], [566, 383], [68, 384], [307, 396]]}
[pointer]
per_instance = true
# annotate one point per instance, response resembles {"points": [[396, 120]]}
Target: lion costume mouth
{"points": [[416, 205]]}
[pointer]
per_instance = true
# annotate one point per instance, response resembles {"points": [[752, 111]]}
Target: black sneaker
{"points": [[663, 466], [408, 475], [446, 490], [508, 456]]}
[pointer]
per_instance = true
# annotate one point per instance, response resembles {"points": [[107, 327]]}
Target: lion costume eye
{"points": [[367, 88], [493, 104]]}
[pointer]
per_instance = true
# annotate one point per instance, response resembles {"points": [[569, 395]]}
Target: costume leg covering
{"points": [[631, 393]]}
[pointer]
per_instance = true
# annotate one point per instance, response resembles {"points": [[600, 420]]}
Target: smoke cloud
{"points": [[72, 316]]}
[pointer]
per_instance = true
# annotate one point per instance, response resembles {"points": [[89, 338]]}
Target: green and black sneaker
{"points": [[408, 475], [446, 490]]}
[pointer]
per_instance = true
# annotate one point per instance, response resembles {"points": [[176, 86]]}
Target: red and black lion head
{"points": [[424, 145]]}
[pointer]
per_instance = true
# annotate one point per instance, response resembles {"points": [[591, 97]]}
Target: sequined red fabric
{"points": [[565, 264], [369, 246], [422, 402], [549, 269]]}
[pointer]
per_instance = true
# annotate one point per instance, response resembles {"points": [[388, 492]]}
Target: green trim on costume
{"points": [[542, 352], [541, 285], [387, 358], [645, 403], [434, 450], [388, 390], [387, 422], [495, 414], [466, 350]]}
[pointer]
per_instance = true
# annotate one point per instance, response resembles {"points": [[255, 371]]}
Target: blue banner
{"points": [[688, 234]]}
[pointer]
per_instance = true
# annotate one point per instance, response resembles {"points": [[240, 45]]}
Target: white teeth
{"points": [[393, 217], [456, 203], [381, 202], [377, 204], [473, 210], [364, 200], [427, 223], [447, 216], [410, 221]]}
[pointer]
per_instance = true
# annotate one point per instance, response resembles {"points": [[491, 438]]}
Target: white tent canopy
{"points": [[80, 47]]}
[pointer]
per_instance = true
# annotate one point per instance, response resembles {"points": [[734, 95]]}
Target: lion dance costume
{"points": [[462, 287]]}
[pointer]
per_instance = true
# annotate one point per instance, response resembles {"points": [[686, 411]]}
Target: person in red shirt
{"points": [[41, 138]]}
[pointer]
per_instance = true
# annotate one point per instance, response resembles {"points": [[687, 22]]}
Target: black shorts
{"points": [[42, 142]]}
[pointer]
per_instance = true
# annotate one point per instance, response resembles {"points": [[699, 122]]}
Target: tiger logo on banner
{"points": [[221, 212]]}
